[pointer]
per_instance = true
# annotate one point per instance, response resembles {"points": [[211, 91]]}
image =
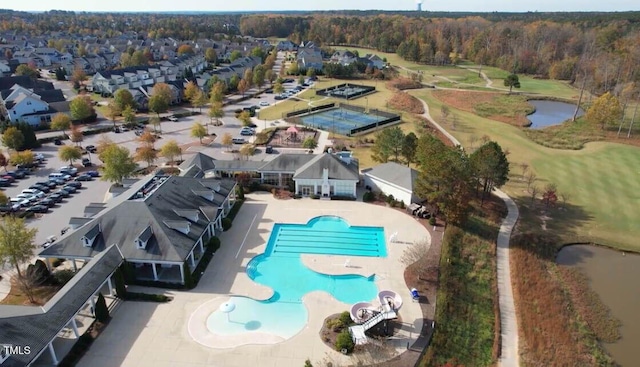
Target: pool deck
{"points": [[151, 334]]}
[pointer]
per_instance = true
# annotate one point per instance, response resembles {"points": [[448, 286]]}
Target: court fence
{"points": [[310, 109], [338, 91]]}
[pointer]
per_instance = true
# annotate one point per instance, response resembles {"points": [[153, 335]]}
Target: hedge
{"points": [[147, 297]]}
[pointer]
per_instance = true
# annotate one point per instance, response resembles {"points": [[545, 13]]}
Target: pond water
{"points": [[549, 113], [614, 276]]}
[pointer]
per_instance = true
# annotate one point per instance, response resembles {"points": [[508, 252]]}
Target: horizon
{"points": [[250, 6]]}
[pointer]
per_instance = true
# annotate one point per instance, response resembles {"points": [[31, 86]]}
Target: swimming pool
{"points": [[281, 269]]}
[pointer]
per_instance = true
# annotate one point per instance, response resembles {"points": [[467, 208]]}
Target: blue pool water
{"points": [[281, 269]]}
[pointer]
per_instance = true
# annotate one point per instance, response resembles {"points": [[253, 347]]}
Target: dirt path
{"points": [[509, 356]]}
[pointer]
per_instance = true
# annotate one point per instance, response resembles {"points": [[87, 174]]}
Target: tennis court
{"points": [[341, 121]]}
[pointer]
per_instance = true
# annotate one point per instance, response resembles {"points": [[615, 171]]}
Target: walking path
{"points": [[508, 319]]}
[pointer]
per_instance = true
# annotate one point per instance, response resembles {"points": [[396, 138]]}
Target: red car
{"points": [[9, 178]]}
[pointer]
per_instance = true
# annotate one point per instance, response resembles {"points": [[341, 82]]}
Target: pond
{"points": [[549, 113], [614, 276]]}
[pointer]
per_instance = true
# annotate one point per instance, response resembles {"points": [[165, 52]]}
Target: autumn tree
{"points": [[550, 195], [146, 153], [81, 108], [3, 161], [129, 115], [16, 245], [388, 143], [216, 112], [245, 118], [23, 157], [247, 150], [604, 111], [278, 88], [190, 91], [170, 150], [185, 50], [155, 122], [198, 131], [512, 81], [248, 77], [147, 138], [123, 99], [199, 100], [235, 54], [76, 136], [227, 141], [258, 76], [217, 93], [118, 164], [78, 77], [160, 98], [310, 143], [13, 138], [69, 153], [26, 70], [490, 168], [113, 111], [60, 121], [243, 86], [409, 148], [211, 56]]}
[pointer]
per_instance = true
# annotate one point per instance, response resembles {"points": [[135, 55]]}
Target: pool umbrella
{"points": [[227, 307], [292, 130]]}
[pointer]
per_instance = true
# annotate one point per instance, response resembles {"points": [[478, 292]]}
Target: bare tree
{"points": [[524, 166], [417, 253], [531, 178], [565, 196], [534, 191]]}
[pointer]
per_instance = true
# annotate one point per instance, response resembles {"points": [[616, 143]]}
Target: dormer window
{"points": [[182, 226], [206, 194], [90, 236], [143, 238], [191, 215]]}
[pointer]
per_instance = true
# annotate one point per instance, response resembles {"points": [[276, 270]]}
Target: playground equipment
{"points": [[366, 315]]}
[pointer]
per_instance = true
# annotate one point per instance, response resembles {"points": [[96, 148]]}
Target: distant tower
{"points": [[419, 2]]}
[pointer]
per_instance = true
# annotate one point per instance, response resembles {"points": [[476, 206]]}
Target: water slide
{"points": [[390, 302], [363, 311]]}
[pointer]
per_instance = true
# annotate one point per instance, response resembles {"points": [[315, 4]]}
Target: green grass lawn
{"points": [[600, 180]]}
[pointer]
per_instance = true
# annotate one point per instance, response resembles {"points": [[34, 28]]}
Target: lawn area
{"points": [[599, 179], [466, 322]]}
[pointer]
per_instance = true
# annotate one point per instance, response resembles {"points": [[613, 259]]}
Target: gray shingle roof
{"points": [[338, 170], [394, 173], [36, 330], [202, 161], [287, 163], [123, 223]]}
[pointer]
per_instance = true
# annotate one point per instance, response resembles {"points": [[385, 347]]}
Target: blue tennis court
{"points": [[340, 120]]}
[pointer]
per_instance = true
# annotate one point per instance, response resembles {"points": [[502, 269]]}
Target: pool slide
{"points": [[390, 300], [363, 311]]}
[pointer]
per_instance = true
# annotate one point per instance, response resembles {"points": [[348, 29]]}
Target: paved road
{"points": [[509, 356]]}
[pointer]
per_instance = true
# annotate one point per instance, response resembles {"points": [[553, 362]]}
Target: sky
{"points": [[274, 5]]}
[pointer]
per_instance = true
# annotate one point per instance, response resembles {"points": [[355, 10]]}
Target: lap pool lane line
{"points": [[509, 356]]}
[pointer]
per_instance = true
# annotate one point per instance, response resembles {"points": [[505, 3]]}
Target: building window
{"points": [[270, 179]]}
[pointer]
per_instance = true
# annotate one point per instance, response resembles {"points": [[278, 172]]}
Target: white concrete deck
{"points": [[150, 334]]}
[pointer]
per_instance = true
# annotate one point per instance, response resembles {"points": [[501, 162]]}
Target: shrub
{"points": [[393, 204], [368, 197], [307, 363], [345, 318], [402, 206], [254, 186], [315, 197], [226, 224], [213, 244], [62, 277], [389, 199], [121, 288], [101, 311], [234, 209], [148, 297], [240, 192], [432, 221], [335, 324], [344, 341], [188, 279]]}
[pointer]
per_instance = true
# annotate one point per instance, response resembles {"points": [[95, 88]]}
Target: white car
{"points": [[172, 118], [264, 104], [69, 168], [39, 157], [28, 198], [32, 192], [17, 203]]}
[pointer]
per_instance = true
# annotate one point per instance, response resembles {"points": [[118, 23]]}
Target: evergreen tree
{"points": [[101, 311]]}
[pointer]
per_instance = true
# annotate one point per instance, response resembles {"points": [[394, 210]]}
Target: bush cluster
{"points": [[226, 224], [344, 341]]}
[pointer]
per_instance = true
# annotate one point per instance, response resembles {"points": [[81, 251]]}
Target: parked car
{"points": [[86, 162], [57, 181], [92, 173], [83, 177], [25, 167], [9, 178], [56, 197], [49, 184], [264, 103], [21, 203], [279, 97], [50, 240], [268, 149], [4, 182], [5, 209], [91, 148], [42, 188], [40, 157], [172, 118], [47, 202], [70, 189], [16, 174], [27, 197], [64, 193], [117, 130], [69, 168], [57, 141], [37, 209], [75, 184], [238, 141], [35, 192], [246, 132]]}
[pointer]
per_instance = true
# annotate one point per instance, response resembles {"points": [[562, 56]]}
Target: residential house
{"points": [[325, 175], [159, 224], [309, 58], [343, 57], [392, 179], [33, 106], [286, 45]]}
